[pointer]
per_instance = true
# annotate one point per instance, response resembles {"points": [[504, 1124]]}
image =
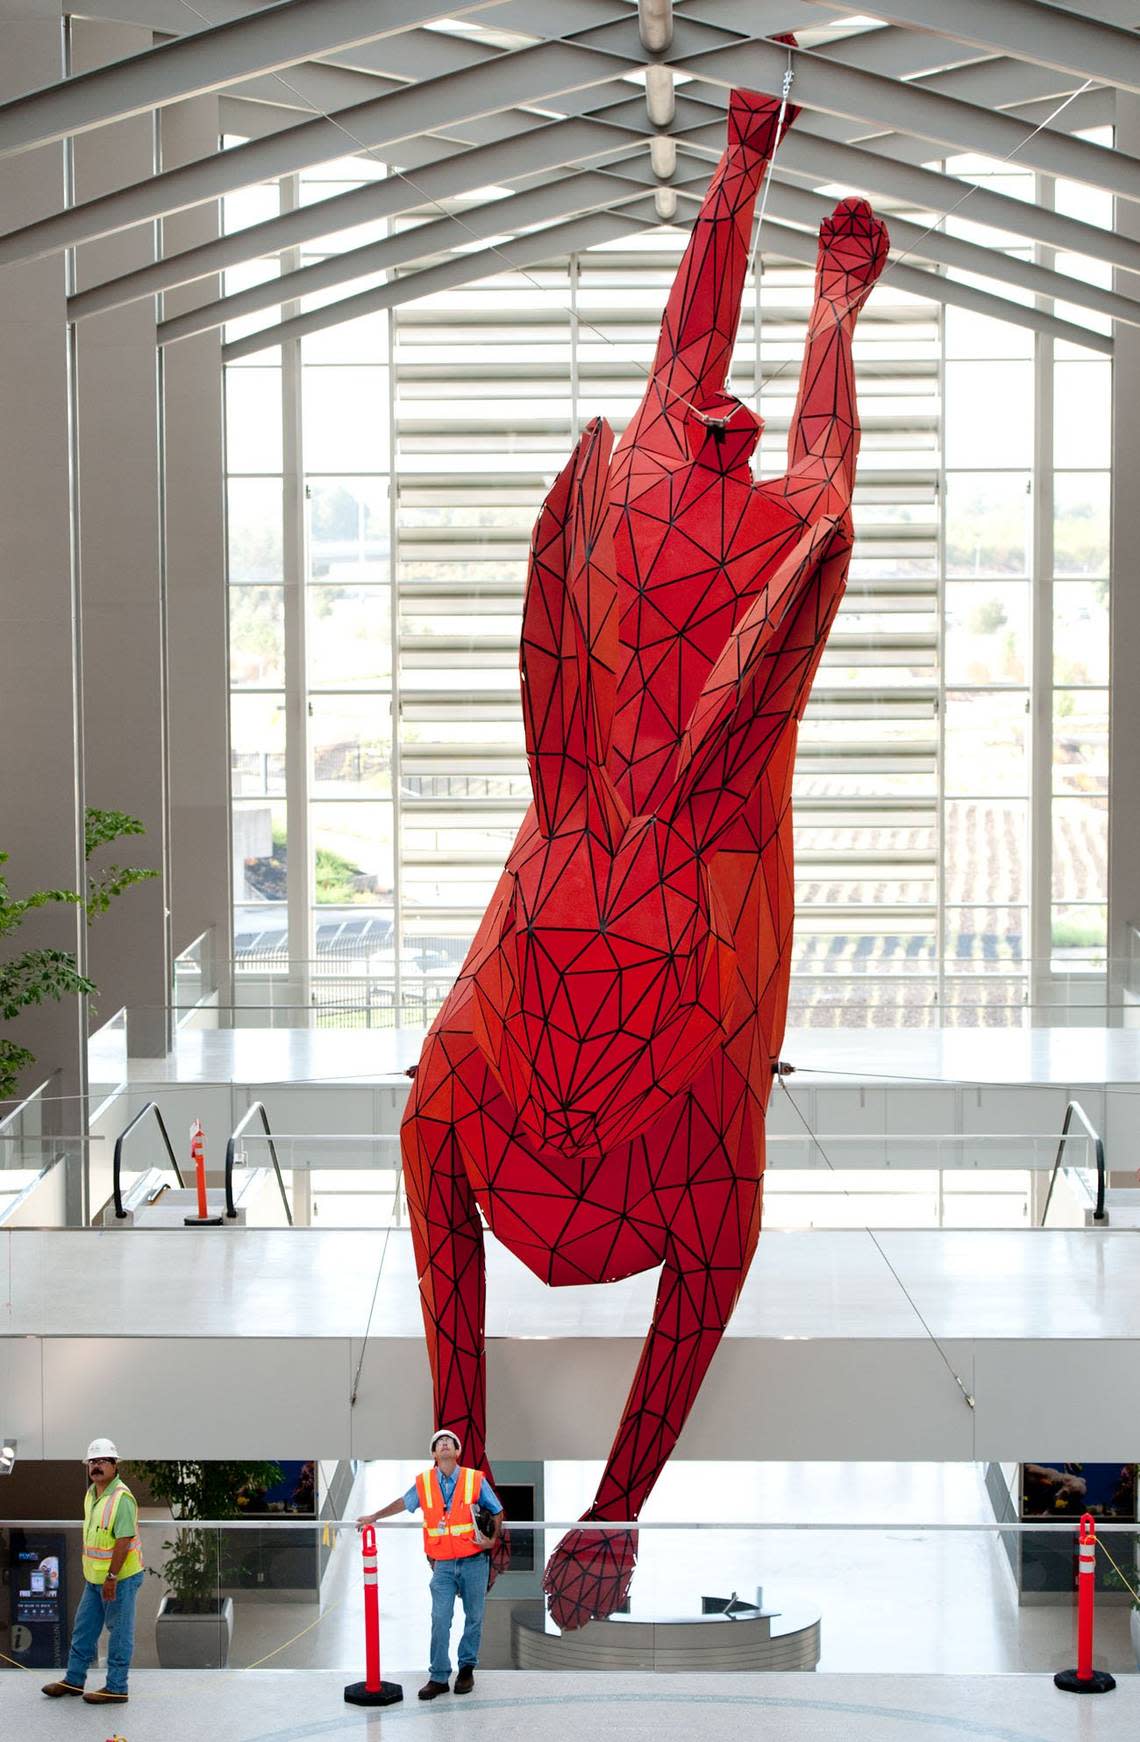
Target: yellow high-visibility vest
{"points": [[99, 1535]]}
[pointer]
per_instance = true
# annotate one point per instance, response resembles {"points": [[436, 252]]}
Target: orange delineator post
{"points": [[372, 1691], [371, 1614], [1085, 1679], [198, 1157]]}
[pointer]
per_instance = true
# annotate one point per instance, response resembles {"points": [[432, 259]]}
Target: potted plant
{"points": [[195, 1622]]}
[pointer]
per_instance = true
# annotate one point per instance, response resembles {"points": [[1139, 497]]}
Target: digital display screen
{"points": [[1063, 1492], [518, 1502]]}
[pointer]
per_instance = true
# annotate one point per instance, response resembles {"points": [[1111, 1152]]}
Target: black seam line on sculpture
{"points": [[967, 1396]]}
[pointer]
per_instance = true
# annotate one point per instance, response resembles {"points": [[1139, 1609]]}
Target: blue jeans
{"points": [[466, 1579], [92, 1615]]}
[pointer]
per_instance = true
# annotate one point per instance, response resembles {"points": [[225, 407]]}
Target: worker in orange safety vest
{"points": [[459, 1555]]}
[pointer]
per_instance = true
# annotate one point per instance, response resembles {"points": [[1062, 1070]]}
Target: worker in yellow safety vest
{"points": [[112, 1574], [459, 1554]]}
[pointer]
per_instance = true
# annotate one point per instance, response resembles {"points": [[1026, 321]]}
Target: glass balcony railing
{"points": [[380, 987], [898, 1594]]}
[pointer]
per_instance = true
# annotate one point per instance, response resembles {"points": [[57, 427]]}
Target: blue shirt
{"points": [[488, 1499]]}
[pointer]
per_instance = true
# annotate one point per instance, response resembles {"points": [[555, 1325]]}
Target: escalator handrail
{"points": [[117, 1162], [258, 1107], [1075, 1110]]}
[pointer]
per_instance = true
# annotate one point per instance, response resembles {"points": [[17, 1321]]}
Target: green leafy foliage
{"points": [[102, 890], [196, 1562], [36, 975], [102, 827]]}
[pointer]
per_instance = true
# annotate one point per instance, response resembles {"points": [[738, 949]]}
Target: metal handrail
{"points": [[761, 1527], [231, 1149], [1075, 1108], [116, 1164]]}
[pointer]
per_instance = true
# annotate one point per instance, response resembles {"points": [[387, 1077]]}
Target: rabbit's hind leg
{"points": [[447, 1237], [711, 1247]]}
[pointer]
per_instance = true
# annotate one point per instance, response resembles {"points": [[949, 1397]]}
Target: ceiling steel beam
{"points": [[593, 190], [760, 17], [207, 60], [1093, 108], [172, 17], [314, 84], [390, 119], [869, 172], [520, 254], [910, 149], [551, 147], [801, 247], [824, 162], [995, 82], [546, 245], [1000, 82], [797, 206], [900, 54], [527, 76], [855, 94], [417, 55], [580, 193], [532, 75], [1025, 29], [801, 153]]}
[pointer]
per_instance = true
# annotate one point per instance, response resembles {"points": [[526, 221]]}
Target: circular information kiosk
{"points": [[737, 1636]]}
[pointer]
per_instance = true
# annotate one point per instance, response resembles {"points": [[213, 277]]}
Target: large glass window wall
{"points": [[951, 788]]}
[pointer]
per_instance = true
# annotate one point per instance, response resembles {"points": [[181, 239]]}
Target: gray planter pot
{"points": [[1134, 1630], [196, 1641]]}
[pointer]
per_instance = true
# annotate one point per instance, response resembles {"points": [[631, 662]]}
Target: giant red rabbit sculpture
{"points": [[596, 1081]]}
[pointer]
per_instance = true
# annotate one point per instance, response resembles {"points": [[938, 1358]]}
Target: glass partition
{"points": [[37, 1160], [895, 1595], [361, 981]]}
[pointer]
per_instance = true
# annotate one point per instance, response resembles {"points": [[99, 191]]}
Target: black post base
{"points": [[1099, 1682], [387, 1694], [203, 1221]]}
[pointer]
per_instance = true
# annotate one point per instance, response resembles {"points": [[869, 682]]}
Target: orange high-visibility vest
{"points": [[449, 1537]]}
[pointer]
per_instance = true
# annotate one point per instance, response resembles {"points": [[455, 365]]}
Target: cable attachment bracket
{"points": [[789, 80]]}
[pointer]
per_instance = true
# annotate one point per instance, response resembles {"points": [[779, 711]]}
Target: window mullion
{"points": [[300, 873], [1041, 642]]}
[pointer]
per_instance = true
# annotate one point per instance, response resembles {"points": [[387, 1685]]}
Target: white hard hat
{"points": [[101, 1449], [445, 1433]]}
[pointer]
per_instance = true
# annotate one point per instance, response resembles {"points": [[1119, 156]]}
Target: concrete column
{"points": [[1124, 703], [120, 551], [41, 785], [197, 658]]}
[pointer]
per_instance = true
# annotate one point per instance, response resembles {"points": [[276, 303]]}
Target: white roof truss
{"points": [[545, 105]]}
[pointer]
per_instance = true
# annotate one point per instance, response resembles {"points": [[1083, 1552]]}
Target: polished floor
{"points": [[284, 1706], [981, 1284]]}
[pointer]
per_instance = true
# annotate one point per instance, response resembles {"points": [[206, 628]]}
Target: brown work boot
{"points": [[105, 1697], [432, 1690], [59, 1690], [465, 1680]]}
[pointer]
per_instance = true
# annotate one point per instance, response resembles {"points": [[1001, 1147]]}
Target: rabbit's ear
{"points": [[758, 685], [569, 646]]}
